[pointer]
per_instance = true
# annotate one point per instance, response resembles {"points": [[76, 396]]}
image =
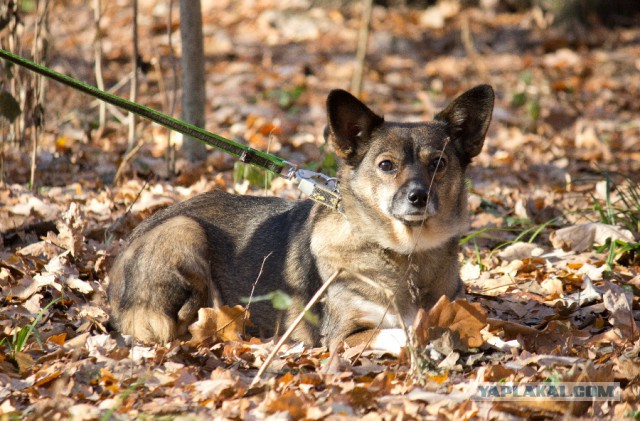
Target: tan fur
{"points": [[148, 325], [180, 242]]}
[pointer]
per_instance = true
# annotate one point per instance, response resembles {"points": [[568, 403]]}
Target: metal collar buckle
{"points": [[319, 187]]}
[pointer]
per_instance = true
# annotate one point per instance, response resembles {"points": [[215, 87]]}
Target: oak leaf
{"points": [[460, 316]]}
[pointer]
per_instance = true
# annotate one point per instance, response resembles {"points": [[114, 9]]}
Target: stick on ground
{"points": [[295, 324]]}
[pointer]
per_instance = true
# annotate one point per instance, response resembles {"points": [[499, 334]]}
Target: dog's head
{"points": [[403, 183]]}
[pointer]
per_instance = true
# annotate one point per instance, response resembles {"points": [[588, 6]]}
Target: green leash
{"points": [[317, 186]]}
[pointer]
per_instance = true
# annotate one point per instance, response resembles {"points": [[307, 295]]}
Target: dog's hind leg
{"points": [[161, 281]]}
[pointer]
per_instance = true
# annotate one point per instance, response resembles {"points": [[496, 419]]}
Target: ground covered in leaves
{"points": [[550, 264]]}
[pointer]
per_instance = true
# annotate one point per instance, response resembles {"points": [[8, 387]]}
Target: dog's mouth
{"points": [[413, 220]]}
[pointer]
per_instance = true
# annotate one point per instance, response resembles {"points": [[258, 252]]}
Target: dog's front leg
{"points": [[390, 341]]}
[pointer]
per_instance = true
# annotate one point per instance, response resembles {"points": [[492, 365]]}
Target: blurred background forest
{"points": [[565, 73], [76, 176]]}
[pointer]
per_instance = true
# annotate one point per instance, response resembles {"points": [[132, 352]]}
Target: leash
{"points": [[317, 186]]}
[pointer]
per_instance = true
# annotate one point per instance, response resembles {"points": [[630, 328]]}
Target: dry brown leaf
{"points": [[25, 361], [460, 316], [206, 326], [47, 376], [28, 286], [520, 251], [150, 201], [582, 237], [627, 366], [289, 402], [558, 338], [511, 329], [497, 373], [619, 305], [58, 339], [70, 231], [231, 322]]}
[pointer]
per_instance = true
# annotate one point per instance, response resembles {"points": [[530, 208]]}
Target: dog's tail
{"points": [[149, 325]]}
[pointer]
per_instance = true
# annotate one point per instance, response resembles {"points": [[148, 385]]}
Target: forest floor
{"points": [[550, 297]]}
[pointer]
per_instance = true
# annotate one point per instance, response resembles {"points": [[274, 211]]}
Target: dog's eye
{"points": [[438, 164], [386, 166]]}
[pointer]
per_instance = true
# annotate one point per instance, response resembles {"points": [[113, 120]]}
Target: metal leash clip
{"points": [[319, 187]]}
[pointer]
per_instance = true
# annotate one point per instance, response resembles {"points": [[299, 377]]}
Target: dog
{"points": [[404, 201]]}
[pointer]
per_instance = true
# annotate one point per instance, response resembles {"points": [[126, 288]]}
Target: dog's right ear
{"points": [[350, 123]]}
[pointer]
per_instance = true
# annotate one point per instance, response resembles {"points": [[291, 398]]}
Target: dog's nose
{"points": [[418, 197]]}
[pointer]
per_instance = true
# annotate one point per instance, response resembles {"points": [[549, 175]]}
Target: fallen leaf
{"points": [[619, 305], [58, 339], [469, 271], [206, 326], [497, 373], [552, 286], [588, 294], [520, 251], [231, 322], [28, 286], [47, 377], [289, 402], [25, 361], [70, 230], [459, 316], [582, 237]]}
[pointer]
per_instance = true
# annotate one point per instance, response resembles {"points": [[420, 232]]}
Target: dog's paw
{"points": [[389, 340]]}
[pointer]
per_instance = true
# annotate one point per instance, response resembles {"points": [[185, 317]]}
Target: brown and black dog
{"points": [[405, 205]]}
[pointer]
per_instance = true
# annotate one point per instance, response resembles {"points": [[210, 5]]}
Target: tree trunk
{"points": [[133, 93], [193, 94]]}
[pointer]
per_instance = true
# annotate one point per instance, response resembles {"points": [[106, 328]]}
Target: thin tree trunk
{"points": [[363, 42], [193, 94], [171, 150], [133, 96], [38, 53], [97, 46]]}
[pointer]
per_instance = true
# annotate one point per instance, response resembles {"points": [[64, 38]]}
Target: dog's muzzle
{"points": [[415, 204]]}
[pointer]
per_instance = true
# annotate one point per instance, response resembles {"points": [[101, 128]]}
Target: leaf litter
{"points": [[550, 269]]}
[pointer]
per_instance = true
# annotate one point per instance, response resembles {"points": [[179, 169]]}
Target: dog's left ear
{"points": [[467, 119], [350, 122]]}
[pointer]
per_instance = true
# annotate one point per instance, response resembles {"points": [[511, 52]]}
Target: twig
{"points": [[112, 90], [389, 294], [363, 42], [295, 324], [376, 330], [253, 289], [467, 42], [126, 160], [115, 88], [119, 220], [34, 158]]}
